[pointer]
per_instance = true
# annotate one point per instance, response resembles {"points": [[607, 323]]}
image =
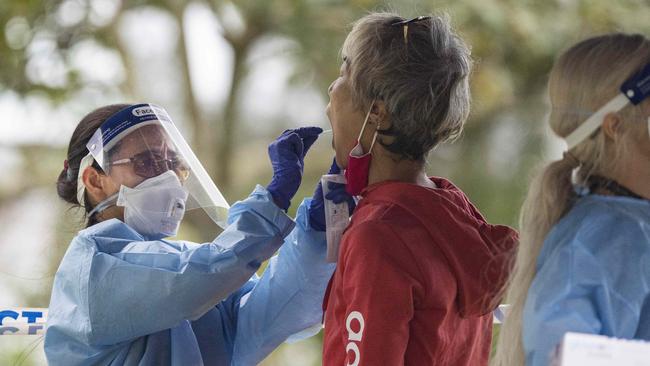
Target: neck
{"points": [[632, 182], [114, 212], [633, 174], [107, 209], [385, 166]]}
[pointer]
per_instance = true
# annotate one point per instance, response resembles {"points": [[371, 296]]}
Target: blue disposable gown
{"points": [[593, 276], [119, 299]]}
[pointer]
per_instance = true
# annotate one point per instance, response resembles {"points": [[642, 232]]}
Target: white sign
{"points": [[579, 349]]}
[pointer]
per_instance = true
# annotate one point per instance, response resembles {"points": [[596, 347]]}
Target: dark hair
{"points": [[66, 184], [422, 78]]}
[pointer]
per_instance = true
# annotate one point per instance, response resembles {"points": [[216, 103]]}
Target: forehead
{"points": [[344, 69], [146, 138]]}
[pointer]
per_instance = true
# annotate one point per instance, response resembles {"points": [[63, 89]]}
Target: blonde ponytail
{"points": [[549, 198]]}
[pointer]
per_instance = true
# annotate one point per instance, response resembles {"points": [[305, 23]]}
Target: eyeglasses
{"points": [[405, 25], [149, 164]]}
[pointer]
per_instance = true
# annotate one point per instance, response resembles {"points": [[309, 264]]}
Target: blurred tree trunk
{"points": [[227, 131], [202, 137], [241, 42], [129, 86], [215, 141]]}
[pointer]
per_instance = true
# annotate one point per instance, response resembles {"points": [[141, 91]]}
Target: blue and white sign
{"points": [[22, 321]]}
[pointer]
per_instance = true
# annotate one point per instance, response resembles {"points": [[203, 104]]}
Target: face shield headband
{"points": [[634, 90]]}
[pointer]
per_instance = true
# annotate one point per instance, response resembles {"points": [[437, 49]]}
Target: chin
{"points": [[342, 163]]}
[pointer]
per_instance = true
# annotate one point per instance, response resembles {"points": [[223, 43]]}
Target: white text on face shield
{"points": [[142, 111]]}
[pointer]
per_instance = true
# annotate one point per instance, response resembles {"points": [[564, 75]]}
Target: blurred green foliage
{"points": [[514, 43]]}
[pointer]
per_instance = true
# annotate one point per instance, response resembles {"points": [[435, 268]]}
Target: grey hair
{"points": [[423, 79]]}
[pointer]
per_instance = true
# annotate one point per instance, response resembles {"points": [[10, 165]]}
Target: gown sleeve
{"points": [[288, 298]]}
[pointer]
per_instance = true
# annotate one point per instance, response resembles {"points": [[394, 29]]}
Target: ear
{"points": [[379, 115], [95, 184], [612, 126]]}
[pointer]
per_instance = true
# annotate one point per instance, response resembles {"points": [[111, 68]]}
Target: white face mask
{"points": [[155, 207]]}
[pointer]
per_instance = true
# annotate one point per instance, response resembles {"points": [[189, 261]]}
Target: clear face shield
{"points": [[161, 177]]}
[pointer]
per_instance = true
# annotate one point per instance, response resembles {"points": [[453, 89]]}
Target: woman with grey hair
{"points": [[419, 269]]}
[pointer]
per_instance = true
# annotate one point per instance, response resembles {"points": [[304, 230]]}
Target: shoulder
{"points": [[112, 228], [599, 218], [375, 241], [110, 236], [612, 207], [389, 229], [605, 228], [369, 227], [382, 214]]}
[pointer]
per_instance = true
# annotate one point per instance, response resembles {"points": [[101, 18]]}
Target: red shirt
{"points": [[418, 275]]}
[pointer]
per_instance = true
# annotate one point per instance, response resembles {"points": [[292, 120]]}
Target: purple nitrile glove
{"points": [[287, 154], [336, 193]]}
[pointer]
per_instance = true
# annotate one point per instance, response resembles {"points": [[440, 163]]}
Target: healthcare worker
{"points": [[583, 264], [419, 269], [125, 295]]}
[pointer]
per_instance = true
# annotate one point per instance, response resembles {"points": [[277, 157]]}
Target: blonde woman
{"points": [[583, 263]]}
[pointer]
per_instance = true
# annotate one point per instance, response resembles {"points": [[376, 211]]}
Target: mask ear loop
{"points": [[365, 121], [86, 162], [108, 202], [374, 139], [363, 128]]}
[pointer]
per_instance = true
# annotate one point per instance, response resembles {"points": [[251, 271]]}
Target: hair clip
{"points": [[67, 170], [405, 24]]}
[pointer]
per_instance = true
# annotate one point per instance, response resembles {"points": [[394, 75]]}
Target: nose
{"points": [[329, 90], [160, 166], [183, 175], [182, 171]]}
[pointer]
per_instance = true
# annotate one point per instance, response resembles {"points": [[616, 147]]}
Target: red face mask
{"points": [[358, 168]]}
